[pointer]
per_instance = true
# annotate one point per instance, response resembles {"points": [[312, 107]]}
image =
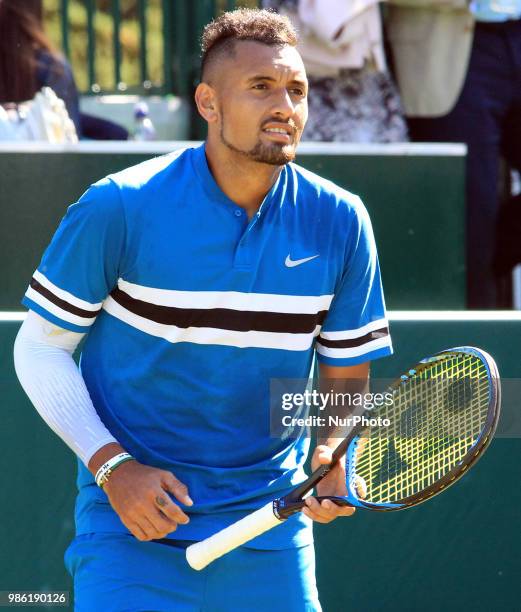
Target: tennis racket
{"points": [[442, 416]]}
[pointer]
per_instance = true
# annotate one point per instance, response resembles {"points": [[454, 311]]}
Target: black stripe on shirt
{"points": [[80, 312], [352, 342], [222, 318]]}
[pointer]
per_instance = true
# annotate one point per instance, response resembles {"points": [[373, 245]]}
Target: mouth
{"points": [[279, 133]]}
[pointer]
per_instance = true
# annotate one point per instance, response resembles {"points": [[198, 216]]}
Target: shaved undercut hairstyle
{"points": [[263, 26]]}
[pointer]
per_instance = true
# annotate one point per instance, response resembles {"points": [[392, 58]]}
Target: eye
{"points": [[298, 91], [259, 86]]}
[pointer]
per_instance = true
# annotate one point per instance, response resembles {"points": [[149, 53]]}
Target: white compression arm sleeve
{"points": [[47, 372]]}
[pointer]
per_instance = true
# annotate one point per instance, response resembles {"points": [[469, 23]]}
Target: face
{"points": [[261, 100]]}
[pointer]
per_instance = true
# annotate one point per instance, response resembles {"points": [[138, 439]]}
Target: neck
{"points": [[244, 181]]}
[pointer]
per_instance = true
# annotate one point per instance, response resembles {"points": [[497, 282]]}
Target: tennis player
{"points": [[195, 278]]}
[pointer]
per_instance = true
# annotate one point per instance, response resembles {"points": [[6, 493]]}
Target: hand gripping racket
{"points": [[443, 414]]}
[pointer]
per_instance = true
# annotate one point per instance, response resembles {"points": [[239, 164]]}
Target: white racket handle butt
{"points": [[200, 554]]}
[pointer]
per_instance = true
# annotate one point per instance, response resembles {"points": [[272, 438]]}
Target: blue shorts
{"points": [[115, 572]]}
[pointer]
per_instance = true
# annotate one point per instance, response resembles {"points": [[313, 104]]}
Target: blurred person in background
{"points": [[458, 68], [28, 62], [351, 95]]}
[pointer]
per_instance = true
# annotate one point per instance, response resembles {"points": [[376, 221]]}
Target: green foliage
{"points": [[80, 55], [104, 42]]}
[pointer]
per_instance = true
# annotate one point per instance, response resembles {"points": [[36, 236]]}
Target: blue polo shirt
{"points": [[192, 309]]}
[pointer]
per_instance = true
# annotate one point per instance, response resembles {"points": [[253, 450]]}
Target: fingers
{"points": [[170, 510], [360, 487], [150, 523], [176, 487], [140, 497], [324, 454], [163, 523], [326, 511], [145, 529], [136, 531], [160, 517], [157, 526]]}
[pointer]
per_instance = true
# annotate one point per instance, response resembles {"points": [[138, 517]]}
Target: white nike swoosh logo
{"points": [[290, 263]]}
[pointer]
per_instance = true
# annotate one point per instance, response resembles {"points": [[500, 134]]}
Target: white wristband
{"points": [[104, 472]]}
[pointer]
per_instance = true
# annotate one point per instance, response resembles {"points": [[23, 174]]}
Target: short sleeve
{"points": [[81, 265], [355, 329]]}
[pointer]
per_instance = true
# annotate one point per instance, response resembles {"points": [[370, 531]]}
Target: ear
{"points": [[206, 101]]}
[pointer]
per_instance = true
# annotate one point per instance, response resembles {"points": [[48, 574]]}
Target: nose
{"points": [[283, 105]]}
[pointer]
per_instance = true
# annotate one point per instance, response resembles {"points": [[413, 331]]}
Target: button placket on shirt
{"points": [[243, 252]]}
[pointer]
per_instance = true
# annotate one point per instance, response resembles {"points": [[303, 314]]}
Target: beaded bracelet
{"points": [[104, 472]]}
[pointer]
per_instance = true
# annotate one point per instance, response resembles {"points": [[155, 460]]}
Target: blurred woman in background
{"points": [[28, 62]]}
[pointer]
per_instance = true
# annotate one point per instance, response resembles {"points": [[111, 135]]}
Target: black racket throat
{"points": [[294, 502]]}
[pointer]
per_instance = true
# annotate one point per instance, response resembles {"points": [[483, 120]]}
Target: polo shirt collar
{"points": [[216, 193]]}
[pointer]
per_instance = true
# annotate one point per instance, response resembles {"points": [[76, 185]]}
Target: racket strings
{"points": [[435, 419], [439, 443]]}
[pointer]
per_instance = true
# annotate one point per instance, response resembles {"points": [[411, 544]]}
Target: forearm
{"points": [[48, 374], [45, 367], [344, 392]]}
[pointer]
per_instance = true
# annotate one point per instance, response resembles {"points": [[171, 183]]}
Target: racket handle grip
{"points": [[200, 554]]}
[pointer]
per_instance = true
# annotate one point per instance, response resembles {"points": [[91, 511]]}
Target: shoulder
{"points": [[46, 58], [133, 189], [50, 65], [338, 215], [153, 172], [316, 191]]}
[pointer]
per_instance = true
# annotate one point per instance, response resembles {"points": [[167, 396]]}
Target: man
{"points": [[199, 277], [458, 67]]}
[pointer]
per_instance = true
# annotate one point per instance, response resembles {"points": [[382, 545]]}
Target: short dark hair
{"points": [[258, 25]]}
